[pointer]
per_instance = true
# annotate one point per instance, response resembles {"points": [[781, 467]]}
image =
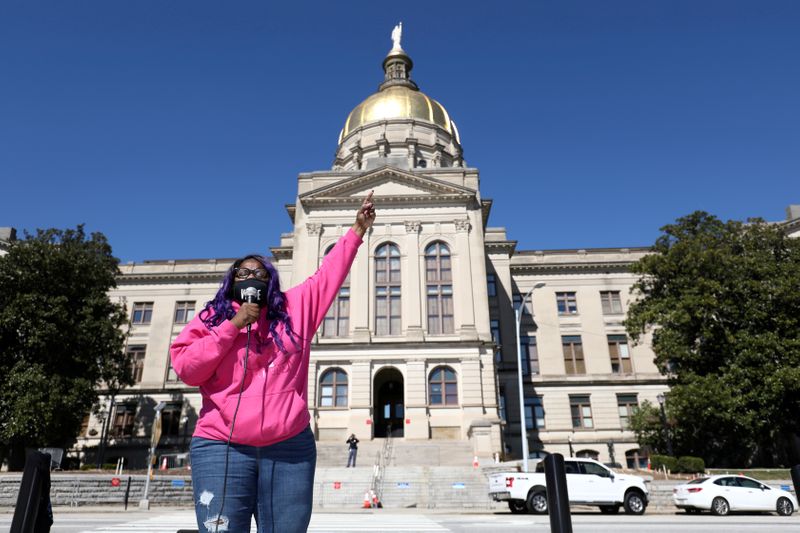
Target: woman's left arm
{"points": [[318, 291]]}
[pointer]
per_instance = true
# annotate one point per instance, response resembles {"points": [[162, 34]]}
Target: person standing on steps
{"points": [[351, 456]]}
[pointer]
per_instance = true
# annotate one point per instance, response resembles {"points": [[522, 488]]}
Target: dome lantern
{"points": [[400, 114]]}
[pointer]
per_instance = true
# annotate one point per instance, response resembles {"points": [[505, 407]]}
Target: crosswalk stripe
{"points": [[320, 523]]}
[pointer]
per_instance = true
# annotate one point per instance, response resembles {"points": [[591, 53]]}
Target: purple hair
{"points": [[276, 302]]}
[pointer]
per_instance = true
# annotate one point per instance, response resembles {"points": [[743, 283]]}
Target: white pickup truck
{"points": [[588, 483]]}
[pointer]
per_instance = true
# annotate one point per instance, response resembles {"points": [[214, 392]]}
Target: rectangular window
{"points": [[534, 413], [337, 320], [184, 312], [530, 355], [136, 355], [142, 313], [387, 310], [172, 376], [620, 355], [581, 410], [626, 404], [171, 419], [440, 309], [326, 396], [612, 304], [491, 285], [387, 270], [573, 354], [494, 326], [124, 416], [567, 303], [501, 398]]}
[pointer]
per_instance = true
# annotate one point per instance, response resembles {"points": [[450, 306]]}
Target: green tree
{"points": [[646, 423], [60, 337], [722, 301]]}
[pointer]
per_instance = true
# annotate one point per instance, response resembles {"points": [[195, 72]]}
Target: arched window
{"points": [[443, 386], [333, 388], [588, 454], [337, 320], [387, 290], [636, 459], [439, 280]]}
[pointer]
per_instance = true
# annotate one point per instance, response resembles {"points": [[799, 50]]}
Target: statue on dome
{"points": [[397, 34]]}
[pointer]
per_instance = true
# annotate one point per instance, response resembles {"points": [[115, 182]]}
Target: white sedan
{"points": [[723, 494]]}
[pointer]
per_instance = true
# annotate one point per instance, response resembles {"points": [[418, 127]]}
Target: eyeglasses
{"points": [[244, 273]]}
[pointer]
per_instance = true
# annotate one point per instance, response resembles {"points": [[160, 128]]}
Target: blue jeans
{"points": [[351, 457], [273, 483]]}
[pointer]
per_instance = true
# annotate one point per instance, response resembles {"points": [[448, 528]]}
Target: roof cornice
{"points": [[157, 277], [584, 267], [506, 247]]}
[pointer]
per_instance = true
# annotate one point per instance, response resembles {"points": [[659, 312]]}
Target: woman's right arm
{"points": [[198, 350]]}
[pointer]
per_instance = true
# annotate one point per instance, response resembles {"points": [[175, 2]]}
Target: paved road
{"points": [[170, 521]]}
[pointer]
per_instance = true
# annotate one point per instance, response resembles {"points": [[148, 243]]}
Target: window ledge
{"points": [[335, 340], [442, 337]]}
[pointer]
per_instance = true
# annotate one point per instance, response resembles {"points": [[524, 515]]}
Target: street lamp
{"points": [[662, 399], [522, 422]]}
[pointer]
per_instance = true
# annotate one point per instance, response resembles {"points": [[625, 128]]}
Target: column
{"points": [[463, 282], [412, 288]]}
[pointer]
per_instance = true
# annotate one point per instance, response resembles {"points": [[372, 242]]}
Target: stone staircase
{"points": [[404, 453], [422, 487], [418, 474]]}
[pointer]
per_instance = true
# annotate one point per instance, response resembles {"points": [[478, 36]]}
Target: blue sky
{"points": [[178, 128]]}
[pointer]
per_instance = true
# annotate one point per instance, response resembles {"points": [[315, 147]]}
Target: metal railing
{"points": [[382, 460]]}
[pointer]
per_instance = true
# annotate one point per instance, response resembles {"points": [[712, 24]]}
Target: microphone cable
{"points": [[230, 436]]}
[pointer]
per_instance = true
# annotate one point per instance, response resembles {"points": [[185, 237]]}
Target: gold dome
{"points": [[398, 101]]}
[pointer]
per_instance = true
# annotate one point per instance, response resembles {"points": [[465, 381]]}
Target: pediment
{"points": [[389, 184]]}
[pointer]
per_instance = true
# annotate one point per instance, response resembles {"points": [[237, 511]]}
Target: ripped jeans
{"points": [[273, 483]]}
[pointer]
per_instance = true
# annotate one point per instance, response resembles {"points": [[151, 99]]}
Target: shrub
{"points": [[657, 462], [691, 465]]}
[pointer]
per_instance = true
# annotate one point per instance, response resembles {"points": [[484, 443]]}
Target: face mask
{"points": [[251, 289]]}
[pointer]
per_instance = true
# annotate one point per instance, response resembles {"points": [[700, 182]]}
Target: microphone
{"points": [[251, 295]]}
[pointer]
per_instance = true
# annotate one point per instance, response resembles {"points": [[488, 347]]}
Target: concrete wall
{"points": [[442, 487]]}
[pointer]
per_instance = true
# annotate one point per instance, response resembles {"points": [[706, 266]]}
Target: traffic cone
{"points": [[366, 501], [375, 502], [164, 464], [475, 463]]}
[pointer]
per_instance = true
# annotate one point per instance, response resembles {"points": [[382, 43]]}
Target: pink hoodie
{"points": [[274, 405]]}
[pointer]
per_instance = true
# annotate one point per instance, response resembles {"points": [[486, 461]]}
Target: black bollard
{"points": [[32, 513], [127, 492], [557, 495], [796, 478]]}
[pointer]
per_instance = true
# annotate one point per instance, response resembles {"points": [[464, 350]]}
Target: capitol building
{"points": [[421, 342]]}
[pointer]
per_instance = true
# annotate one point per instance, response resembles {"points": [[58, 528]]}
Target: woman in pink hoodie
{"points": [[253, 452]]}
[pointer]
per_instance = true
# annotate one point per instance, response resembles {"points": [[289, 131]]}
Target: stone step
{"points": [[410, 453]]}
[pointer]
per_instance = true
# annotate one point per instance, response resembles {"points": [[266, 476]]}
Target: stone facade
{"points": [[421, 344]]}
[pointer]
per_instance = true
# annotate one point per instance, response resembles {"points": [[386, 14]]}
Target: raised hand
{"points": [[365, 216]]}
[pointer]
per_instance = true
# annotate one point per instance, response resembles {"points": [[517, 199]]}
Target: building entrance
{"points": [[388, 403]]}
